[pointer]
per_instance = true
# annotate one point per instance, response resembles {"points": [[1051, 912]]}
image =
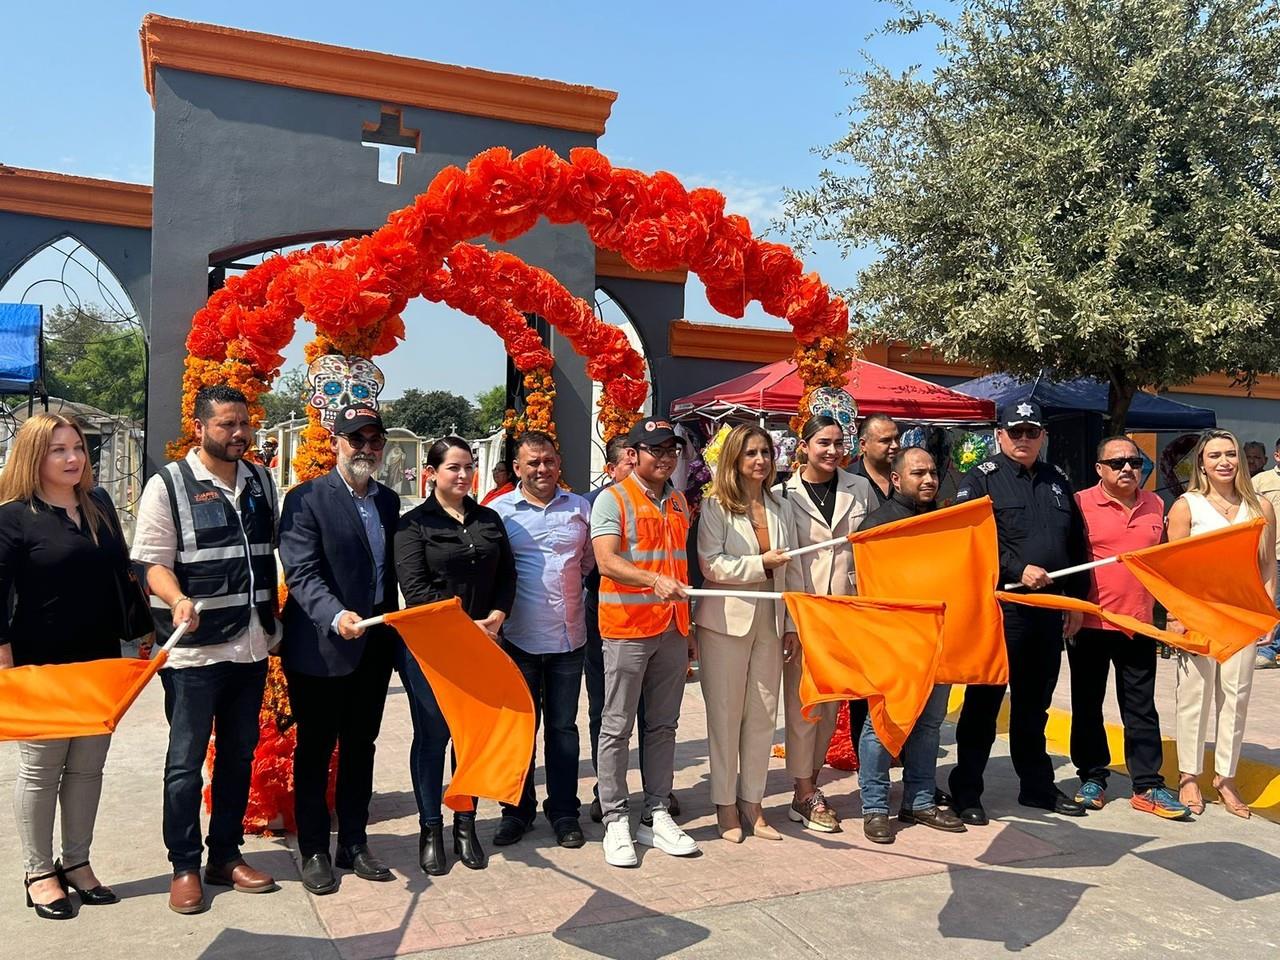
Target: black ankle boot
{"points": [[431, 855], [466, 845]]}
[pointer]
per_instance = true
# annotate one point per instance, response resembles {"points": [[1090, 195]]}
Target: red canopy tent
{"points": [[775, 390]]}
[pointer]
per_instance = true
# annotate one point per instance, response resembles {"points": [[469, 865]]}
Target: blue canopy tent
{"points": [[1147, 413], [21, 354]]}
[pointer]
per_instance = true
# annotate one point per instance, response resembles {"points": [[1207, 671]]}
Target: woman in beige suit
{"points": [[743, 533], [823, 502]]}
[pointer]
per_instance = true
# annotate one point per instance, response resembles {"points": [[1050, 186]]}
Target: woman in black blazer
{"points": [[448, 546]]}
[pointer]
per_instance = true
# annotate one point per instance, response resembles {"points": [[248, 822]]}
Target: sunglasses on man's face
{"points": [[373, 443], [1030, 433], [1119, 463]]}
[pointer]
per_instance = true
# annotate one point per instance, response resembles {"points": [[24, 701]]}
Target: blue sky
{"points": [[729, 95]]}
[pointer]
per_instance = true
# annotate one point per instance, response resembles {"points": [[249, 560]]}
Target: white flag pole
{"points": [[183, 627], [371, 622], [740, 594], [1067, 571], [815, 547]]}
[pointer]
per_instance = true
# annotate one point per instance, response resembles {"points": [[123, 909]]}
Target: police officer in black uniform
{"points": [[1039, 529]]}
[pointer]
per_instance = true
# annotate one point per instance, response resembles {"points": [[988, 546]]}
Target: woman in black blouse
{"points": [[62, 565], [448, 546]]}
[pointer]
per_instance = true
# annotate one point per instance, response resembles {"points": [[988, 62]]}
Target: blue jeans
{"points": [[1272, 649], [555, 680], [430, 740], [196, 699], [919, 760]]}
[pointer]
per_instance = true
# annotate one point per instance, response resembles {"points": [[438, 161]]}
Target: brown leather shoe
{"points": [[240, 875], [876, 827], [935, 817], [186, 895]]}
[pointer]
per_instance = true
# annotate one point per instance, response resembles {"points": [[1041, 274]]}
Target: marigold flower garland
{"points": [[354, 291]]}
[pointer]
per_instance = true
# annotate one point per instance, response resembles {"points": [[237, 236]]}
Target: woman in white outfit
{"points": [[824, 501], [1218, 495], [743, 535]]}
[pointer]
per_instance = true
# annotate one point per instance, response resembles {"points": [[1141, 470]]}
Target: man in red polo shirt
{"points": [[1118, 516]]}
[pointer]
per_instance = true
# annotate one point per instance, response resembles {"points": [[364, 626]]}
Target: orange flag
{"points": [[63, 700], [1192, 643], [483, 696], [947, 556], [1211, 583], [883, 651]]}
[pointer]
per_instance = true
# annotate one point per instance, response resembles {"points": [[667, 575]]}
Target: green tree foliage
{"points": [[431, 413], [94, 357], [491, 408], [288, 395], [1083, 185]]}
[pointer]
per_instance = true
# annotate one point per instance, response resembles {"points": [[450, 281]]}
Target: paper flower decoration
{"points": [[972, 449]]}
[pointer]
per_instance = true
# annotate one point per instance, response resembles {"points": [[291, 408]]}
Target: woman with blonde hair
{"points": [[63, 564], [1219, 494], [744, 532]]}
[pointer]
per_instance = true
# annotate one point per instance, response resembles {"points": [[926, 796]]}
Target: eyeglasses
{"points": [[660, 453], [359, 443], [1119, 463], [1031, 433]]}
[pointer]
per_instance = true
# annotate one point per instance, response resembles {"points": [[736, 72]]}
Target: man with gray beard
{"points": [[336, 549]]}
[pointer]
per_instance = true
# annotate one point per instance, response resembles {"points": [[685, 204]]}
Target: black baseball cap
{"points": [[356, 417], [1021, 412], [652, 433]]}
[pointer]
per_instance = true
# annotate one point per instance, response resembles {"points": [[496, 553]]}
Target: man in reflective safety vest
{"points": [[206, 532], [639, 528]]}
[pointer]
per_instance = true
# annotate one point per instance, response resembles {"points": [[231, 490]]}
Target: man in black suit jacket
{"points": [[336, 548]]}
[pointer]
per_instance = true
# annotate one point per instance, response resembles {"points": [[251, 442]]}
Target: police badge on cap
{"points": [[1025, 412]]}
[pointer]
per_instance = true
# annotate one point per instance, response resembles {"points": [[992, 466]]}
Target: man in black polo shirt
{"points": [[1039, 529], [915, 485]]}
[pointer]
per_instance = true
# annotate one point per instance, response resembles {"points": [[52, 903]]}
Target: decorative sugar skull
{"points": [[334, 381], [840, 406]]}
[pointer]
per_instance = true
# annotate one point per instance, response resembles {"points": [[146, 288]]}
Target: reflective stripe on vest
{"points": [[654, 540], [224, 546]]}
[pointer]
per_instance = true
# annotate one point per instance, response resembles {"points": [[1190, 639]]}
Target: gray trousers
{"points": [[53, 774], [655, 667]]}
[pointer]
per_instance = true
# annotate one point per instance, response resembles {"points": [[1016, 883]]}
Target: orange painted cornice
{"points": [[611, 264], [60, 196], [305, 65], [720, 341]]}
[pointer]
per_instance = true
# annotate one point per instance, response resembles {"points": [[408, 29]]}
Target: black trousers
{"points": [[1033, 640], [1091, 656], [345, 712]]}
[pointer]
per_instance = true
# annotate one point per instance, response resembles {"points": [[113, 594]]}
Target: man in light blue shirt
{"points": [[550, 533]]}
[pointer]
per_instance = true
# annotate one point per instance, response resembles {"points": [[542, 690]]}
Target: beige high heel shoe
{"points": [[731, 832], [753, 816], [1231, 800], [1190, 795]]}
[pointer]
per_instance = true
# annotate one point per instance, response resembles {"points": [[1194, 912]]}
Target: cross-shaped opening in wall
{"points": [[392, 141]]}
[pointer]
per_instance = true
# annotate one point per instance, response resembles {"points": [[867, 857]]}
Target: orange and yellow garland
{"points": [[354, 293]]}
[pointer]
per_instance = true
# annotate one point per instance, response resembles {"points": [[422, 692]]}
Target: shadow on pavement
{"points": [[1015, 910], [232, 944], [650, 937], [1233, 870]]}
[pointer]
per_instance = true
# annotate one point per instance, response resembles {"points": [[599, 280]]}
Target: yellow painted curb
{"points": [[1257, 782]]}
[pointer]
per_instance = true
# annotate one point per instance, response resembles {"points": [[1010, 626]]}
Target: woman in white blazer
{"points": [[743, 533], [823, 501]]}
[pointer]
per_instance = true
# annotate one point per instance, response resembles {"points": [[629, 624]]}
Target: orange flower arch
{"points": [[354, 291]]}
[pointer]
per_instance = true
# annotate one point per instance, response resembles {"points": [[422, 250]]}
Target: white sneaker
{"points": [[619, 851], [666, 835]]}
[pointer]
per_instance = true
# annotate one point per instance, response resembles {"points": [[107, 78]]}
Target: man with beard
{"points": [[336, 549], [206, 531], [1038, 529], [915, 486]]}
